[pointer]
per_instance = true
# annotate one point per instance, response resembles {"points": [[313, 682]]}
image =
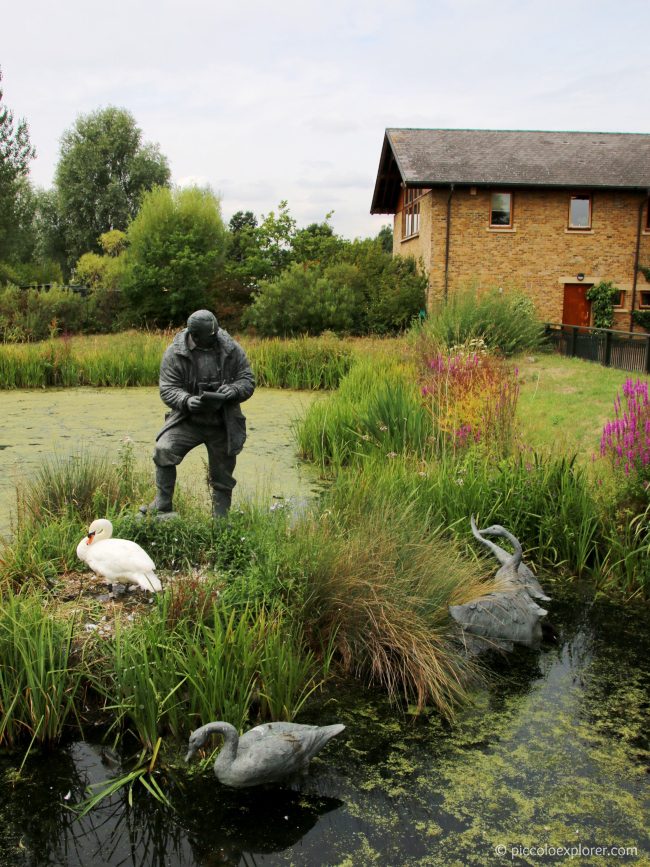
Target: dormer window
{"points": [[501, 211], [580, 212]]}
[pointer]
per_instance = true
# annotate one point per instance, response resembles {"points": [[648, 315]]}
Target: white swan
{"points": [[267, 753], [117, 560]]}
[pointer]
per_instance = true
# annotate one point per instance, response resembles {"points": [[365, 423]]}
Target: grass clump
{"points": [[40, 681], [378, 589], [174, 671], [505, 321], [302, 363], [377, 409]]}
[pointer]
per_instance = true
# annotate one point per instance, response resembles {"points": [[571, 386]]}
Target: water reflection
{"points": [[553, 750]]}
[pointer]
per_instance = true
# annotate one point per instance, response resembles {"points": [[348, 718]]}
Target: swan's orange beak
{"points": [[91, 536]]}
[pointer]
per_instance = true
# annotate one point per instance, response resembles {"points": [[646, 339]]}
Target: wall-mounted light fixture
{"points": [[580, 277]]}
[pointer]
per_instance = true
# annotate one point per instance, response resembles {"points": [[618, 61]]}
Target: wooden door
{"points": [[576, 309]]}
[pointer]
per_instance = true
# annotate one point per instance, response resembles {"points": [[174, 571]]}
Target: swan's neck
{"points": [[501, 555], [516, 544], [230, 736]]}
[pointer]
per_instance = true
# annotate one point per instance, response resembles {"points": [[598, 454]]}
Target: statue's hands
{"points": [[226, 392], [212, 398], [193, 404]]}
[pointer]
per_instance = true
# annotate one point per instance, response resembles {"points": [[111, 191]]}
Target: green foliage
{"points": [[103, 170], [318, 244], [343, 297], [505, 321], [113, 242], [642, 318], [397, 297], [385, 239], [16, 152], [35, 314], [304, 362], [123, 360], [306, 300], [40, 683], [176, 248], [376, 410], [602, 296], [177, 669]]}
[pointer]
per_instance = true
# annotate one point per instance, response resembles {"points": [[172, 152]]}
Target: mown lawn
{"points": [[564, 402]]}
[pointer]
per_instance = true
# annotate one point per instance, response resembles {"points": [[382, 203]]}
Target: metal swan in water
{"points": [[523, 575], [117, 560], [267, 753], [508, 617]]}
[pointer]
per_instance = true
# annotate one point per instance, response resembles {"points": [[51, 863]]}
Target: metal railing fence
{"points": [[625, 350]]}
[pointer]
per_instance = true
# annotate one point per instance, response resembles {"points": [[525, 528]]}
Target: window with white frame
{"points": [[501, 210], [580, 212], [411, 212]]}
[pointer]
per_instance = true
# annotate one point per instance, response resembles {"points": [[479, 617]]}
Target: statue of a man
{"points": [[204, 376]]}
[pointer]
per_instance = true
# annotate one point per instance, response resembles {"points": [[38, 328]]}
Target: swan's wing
{"points": [[508, 616], [82, 549], [118, 558]]}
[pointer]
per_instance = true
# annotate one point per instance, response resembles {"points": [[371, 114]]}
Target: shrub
{"points": [[305, 299], [35, 314], [505, 321], [398, 296], [602, 296]]}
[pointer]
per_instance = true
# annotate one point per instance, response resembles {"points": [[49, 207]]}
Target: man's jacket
{"points": [[178, 384]]}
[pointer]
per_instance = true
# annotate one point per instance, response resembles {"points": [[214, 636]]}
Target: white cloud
{"points": [[289, 100]]}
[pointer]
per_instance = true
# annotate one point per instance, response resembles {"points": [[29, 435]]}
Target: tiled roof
{"points": [[427, 157]]}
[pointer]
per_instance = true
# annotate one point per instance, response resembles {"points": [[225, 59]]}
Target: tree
{"points": [[103, 170], [176, 249], [318, 243], [16, 153], [385, 238]]}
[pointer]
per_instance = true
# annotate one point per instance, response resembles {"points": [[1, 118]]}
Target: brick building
{"points": [[550, 213]]}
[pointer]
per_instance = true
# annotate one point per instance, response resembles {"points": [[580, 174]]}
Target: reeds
{"points": [[40, 683], [376, 410], [133, 359], [170, 675]]}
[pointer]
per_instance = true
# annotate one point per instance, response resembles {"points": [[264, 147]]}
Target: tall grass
{"points": [[303, 362], [128, 359], [40, 682], [169, 675], [376, 410], [546, 501], [506, 321], [133, 359], [379, 585]]}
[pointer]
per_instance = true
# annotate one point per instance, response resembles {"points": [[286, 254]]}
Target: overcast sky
{"points": [[277, 100]]}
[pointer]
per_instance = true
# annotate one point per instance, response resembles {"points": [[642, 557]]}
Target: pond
{"points": [[37, 424], [552, 754]]}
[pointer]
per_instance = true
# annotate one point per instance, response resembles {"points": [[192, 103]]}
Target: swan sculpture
{"points": [[117, 560], [506, 617], [524, 576], [267, 753], [503, 619]]}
